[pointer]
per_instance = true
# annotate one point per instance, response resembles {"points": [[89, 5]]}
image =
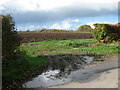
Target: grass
{"points": [[22, 67], [30, 64], [69, 46]]}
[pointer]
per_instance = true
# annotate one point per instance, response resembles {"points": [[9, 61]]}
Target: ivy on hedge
{"points": [[105, 33]]}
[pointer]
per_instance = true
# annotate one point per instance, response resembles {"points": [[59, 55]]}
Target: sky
{"points": [[59, 14]]}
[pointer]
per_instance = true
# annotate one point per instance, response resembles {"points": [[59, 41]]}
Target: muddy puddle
{"points": [[62, 69]]}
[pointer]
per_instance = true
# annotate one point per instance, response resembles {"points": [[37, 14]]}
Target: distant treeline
{"points": [[102, 32], [53, 30], [82, 28]]}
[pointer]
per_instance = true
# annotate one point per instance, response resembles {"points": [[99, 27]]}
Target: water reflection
{"points": [[60, 69]]}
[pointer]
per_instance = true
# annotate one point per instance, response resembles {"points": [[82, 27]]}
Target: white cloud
{"points": [[24, 28], [20, 28], [92, 24], [30, 27], [52, 5], [56, 26], [42, 11], [34, 5], [2, 8], [65, 25], [38, 26], [44, 26], [76, 20]]}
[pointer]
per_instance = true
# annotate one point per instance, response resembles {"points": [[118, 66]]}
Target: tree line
{"points": [[82, 28]]}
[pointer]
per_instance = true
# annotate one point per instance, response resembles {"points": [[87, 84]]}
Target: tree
{"points": [[10, 39], [85, 28], [27, 30]]}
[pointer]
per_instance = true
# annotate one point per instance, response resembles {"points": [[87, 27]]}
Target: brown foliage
{"points": [[37, 36]]}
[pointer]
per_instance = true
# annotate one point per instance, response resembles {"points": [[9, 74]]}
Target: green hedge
{"points": [[105, 33], [10, 39]]}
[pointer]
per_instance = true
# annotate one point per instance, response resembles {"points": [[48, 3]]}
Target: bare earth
{"points": [[103, 75]]}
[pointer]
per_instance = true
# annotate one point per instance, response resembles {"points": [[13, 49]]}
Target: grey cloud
{"points": [[119, 11], [60, 13], [84, 12]]}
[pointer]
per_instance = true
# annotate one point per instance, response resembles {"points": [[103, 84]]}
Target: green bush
{"points": [[105, 33], [27, 30], [85, 28], [10, 39]]}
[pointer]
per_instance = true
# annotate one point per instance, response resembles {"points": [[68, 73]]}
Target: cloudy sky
{"points": [[60, 14]]}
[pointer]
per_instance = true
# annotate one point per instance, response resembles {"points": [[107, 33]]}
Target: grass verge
{"points": [[21, 69], [30, 65], [69, 46]]}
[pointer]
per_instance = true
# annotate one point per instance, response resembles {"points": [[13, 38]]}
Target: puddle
{"points": [[48, 78], [61, 70]]}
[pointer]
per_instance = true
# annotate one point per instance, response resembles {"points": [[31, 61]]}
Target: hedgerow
{"points": [[105, 33], [10, 39]]}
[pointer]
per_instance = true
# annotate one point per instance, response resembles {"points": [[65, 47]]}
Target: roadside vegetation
{"points": [[75, 46], [22, 61], [21, 69], [16, 64]]}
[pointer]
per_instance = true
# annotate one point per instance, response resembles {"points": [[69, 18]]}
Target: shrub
{"points": [[10, 39], [85, 28], [105, 33], [27, 30]]}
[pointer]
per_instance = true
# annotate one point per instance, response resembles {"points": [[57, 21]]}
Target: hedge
{"points": [[10, 39], [106, 33]]}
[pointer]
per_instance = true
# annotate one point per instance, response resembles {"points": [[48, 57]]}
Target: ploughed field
{"points": [[38, 36]]}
